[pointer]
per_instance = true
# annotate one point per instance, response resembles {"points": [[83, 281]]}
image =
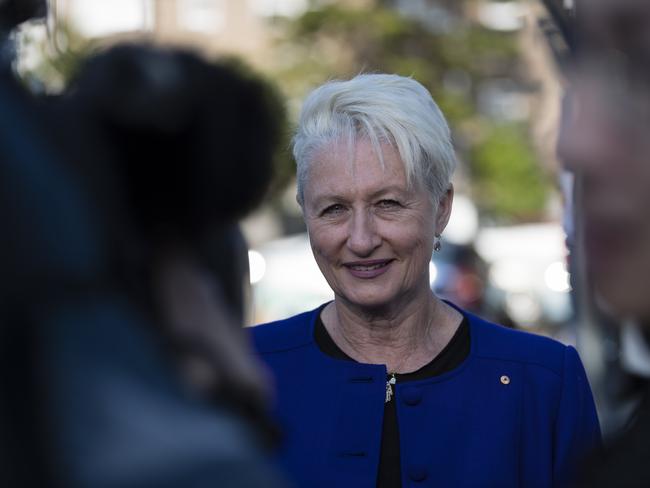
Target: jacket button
{"points": [[417, 473], [412, 396]]}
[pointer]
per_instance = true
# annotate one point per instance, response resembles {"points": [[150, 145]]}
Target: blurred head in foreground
{"points": [[148, 377], [605, 142], [188, 147]]}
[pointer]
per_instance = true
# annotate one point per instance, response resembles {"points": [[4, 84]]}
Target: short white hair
{"points": [[386, 109]]}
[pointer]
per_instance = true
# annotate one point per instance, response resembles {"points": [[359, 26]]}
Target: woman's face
{"points": [[371, 235]]}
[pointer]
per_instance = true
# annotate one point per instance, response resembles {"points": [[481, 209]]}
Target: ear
{"points": [[444, 209], [301, 204]]}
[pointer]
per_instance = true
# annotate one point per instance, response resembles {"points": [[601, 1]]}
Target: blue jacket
{"points": [[469, 427]]}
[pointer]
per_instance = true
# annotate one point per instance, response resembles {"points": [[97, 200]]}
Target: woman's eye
{"points": [[335, 209], [388, 204]]}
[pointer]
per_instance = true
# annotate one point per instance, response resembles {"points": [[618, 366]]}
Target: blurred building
{"points": [[239, 27], [213, 26]]}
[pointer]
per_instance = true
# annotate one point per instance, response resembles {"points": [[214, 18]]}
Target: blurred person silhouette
{"points": [[605, 141], [129, 286]]}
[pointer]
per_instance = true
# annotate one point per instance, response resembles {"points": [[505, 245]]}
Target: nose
{"points": [[363, 237]]}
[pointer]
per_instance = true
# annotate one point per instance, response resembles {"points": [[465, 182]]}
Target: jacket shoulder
{"points": [[285, 334], [493, 341]]}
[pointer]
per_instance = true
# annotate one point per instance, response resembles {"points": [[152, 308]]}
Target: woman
{"points": [[388, 385]]}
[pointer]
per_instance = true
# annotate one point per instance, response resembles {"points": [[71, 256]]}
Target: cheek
{"points": [[324, 241], [413, 248], [416, 237], [421, 250]]}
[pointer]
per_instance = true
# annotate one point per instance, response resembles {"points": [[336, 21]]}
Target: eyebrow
{"points": [[336, 198], [389, 189]]}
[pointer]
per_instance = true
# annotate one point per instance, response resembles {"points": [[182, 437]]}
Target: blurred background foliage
{"points": [[508, 177]]}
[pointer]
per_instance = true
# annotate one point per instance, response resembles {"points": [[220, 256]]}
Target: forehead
{"points": [[339, 166]]}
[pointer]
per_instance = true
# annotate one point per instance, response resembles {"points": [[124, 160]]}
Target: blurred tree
{"points": [[455, 59], [511, 182]]}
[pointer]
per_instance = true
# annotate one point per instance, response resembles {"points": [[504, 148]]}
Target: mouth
{"points": [[368, 269]]}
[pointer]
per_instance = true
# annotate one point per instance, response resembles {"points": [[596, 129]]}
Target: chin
{"points": [[368, 301]]}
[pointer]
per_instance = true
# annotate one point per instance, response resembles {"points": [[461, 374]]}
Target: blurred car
{"points": [[286, 279], [528, 281]]}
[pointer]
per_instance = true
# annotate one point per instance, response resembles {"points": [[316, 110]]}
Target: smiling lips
{"points": [[368, 269]]}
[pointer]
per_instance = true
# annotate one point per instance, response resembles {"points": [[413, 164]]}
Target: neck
{"points": [[404, 340]]}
